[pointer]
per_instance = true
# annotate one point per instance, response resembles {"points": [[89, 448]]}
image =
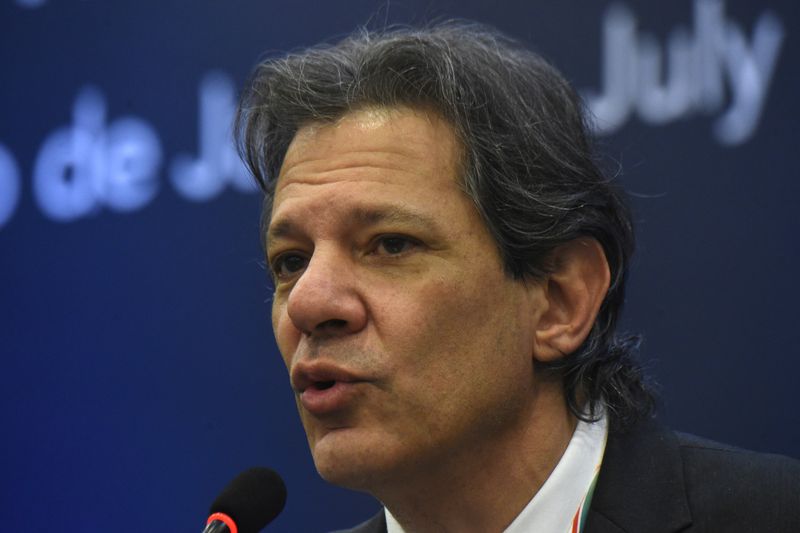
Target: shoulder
{"points": [[654, 479], [702, 455], [726, 484]]}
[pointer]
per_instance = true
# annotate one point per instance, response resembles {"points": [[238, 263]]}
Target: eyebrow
{"points": [[363, 216]]}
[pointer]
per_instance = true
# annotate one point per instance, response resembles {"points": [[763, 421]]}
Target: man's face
{"points": [[407, 345]]}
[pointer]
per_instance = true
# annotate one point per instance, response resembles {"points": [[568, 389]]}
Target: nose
{"points": [[325, 300]]}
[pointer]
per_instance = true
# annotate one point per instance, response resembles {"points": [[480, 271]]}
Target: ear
{"points": [[574, 291]]}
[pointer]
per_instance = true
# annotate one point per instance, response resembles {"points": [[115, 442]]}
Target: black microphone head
{"points": [[253, 499]]}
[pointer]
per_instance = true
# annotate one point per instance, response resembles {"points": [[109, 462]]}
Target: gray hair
{"points": [[528, 163]]}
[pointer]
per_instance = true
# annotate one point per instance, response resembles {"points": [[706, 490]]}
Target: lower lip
{"points": [[325, 401]]}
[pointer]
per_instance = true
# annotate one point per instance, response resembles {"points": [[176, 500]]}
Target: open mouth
{"points": [[323, 385], [324, 396]]}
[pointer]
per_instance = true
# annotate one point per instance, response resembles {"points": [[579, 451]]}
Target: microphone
{"points": [[251, 501]]}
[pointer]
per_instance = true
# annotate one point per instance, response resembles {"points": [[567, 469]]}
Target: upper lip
{"points": [[306, 374]]}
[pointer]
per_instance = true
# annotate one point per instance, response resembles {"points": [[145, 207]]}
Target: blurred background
{"points": [[140, 372]]}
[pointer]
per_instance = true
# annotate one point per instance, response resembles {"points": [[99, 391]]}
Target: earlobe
{"points": [[574, 290]]}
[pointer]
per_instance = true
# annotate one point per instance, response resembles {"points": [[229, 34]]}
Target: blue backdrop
{"points": [[140, 372]]}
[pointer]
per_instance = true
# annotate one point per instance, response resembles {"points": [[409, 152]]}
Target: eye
{"points": [[394, 245], [287, 265]]}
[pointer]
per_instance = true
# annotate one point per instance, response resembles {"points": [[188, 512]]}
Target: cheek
{"points": [[286, 335], [445, 330]]}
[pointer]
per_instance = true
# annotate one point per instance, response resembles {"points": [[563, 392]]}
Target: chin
{"points": [[353, 463], [354, 475]]}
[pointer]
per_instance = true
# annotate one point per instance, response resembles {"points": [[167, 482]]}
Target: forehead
{"points": [[399, 138], [373, 154]]}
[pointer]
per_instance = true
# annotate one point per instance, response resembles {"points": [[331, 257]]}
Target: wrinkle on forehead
{"points": [[355, 147], [368, 119], [366, 166]]}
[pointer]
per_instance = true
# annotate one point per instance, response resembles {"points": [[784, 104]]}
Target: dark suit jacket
{"points": [[654, 480]]}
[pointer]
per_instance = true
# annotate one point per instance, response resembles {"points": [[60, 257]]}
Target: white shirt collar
{"points": [[553, 508]]}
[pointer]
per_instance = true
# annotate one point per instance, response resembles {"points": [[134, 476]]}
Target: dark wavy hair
{"points": [[528, 163]]}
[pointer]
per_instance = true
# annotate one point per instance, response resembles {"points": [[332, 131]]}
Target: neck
{"points": [[483, 488]]}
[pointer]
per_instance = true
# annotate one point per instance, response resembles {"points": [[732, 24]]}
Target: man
{"points": [[449, 266]]}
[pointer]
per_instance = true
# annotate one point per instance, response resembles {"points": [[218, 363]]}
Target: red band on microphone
{"points": [[222, 517]]}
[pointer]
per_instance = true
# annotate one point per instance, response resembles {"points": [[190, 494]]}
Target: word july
{"points": [[698, 65]]}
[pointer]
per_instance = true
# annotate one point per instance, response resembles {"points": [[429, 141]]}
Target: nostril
{"points": [[334, 323]]}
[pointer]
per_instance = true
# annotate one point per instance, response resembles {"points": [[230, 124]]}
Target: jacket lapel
{"points": [[641, 485]]}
